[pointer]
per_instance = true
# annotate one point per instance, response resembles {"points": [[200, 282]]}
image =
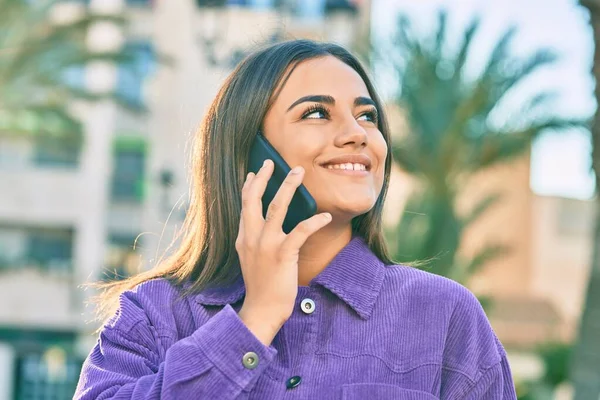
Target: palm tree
{"points": [[585, 364], [37, 57], [454, 133]]}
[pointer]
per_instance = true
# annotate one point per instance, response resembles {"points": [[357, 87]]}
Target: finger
{"points": [[279, 206], [252, 198], [245, 189], [246, 183], [239, 240], [248, 179], [241, 225], [240, 234], [298, 236]]}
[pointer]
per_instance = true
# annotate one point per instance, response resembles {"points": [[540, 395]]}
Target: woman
{"points": [[244, 311]]}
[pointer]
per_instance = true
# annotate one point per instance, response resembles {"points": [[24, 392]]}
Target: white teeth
{"points": [[348, 166]]}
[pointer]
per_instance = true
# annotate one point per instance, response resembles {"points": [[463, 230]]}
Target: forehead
{"points": [[322, 76]]}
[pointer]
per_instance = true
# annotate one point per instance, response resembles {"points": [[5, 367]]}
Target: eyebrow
{"points": [[359, 101]]}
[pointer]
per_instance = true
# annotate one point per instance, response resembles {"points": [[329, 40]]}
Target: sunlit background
{"points": [[560, 163], [492, 179]]}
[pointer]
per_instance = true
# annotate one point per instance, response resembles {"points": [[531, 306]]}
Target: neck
{"points": [[320, 249]]}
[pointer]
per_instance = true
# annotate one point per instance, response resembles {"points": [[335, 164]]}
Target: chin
{"points": [[350, 210]]}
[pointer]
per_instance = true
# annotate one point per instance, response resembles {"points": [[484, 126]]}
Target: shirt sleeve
{"points": [[475, 365], [494, 384], [127, 364]]}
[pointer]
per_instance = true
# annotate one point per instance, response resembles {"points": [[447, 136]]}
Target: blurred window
{"points": [[261, 4], [341, 5], [317, 9], [15, 152], [51, 249], [56, 152], [131, 77], [139, 3], [310, 9], [13, 242], [129, 170], [43, 376], [210, 3], [47, 249], [21, 152]]}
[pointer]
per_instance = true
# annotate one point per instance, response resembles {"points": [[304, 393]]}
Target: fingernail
{"points": [[296, 170], [266, 163], [327, 215]]}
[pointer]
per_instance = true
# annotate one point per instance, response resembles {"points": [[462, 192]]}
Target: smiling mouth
{"points": [[351, 167], [345, 169]]}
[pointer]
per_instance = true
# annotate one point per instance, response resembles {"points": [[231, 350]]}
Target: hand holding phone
{"points": [[302, 206], [268, 256]]}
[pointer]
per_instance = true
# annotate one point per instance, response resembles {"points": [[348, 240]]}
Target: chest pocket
{"points": [[398, 352], [381, 391]]}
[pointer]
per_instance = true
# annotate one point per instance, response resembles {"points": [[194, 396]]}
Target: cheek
{"points": [[378, 145], [379, 149], [301, 152], [292, 156]]}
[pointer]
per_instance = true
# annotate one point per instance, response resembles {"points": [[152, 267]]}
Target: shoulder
{"points": [[151, 303], [470, 345], [426, 288]]}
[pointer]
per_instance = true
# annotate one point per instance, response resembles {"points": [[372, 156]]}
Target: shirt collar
{"points": [[355, 275]]}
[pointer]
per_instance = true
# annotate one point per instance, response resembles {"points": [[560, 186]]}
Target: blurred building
{"points": [[538, 288], [540, 285], [69, 216]]}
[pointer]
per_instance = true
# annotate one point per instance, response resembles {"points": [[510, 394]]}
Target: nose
{"points": [[352, 134]]}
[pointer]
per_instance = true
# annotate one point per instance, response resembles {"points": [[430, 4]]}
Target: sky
{"points": [[560, 164]]}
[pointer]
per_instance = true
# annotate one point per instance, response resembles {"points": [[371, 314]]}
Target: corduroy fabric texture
{"points": [[377, 332]]}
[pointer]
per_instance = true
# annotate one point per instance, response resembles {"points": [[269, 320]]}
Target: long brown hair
{"points": [[219, 154]]}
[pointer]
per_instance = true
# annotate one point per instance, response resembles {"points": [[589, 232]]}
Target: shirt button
{"points": [[293, 382], [250, 360], [308, 306]]}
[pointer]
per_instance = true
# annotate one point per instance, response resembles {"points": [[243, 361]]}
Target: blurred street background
{"points": [[492, 107]]}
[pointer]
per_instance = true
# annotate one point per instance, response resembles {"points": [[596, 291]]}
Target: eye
{"points": [[316, 112], [370, 116]]}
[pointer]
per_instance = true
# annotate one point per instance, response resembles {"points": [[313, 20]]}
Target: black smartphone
{"points": [[302, 206]]}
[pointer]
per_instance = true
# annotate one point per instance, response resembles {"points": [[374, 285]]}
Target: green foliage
{"points": [[36, 54], [454, 132], [555, 358]]}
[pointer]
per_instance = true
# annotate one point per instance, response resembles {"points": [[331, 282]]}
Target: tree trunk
{"points": [[585, 366]]}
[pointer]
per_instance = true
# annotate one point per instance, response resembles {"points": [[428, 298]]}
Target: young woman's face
{"points": [[325, 121]]}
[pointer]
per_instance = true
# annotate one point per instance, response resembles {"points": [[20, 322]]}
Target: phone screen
{"points": [[302, 206]]}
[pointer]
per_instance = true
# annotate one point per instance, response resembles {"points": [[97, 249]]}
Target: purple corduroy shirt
{"points": [[360, 330]]}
